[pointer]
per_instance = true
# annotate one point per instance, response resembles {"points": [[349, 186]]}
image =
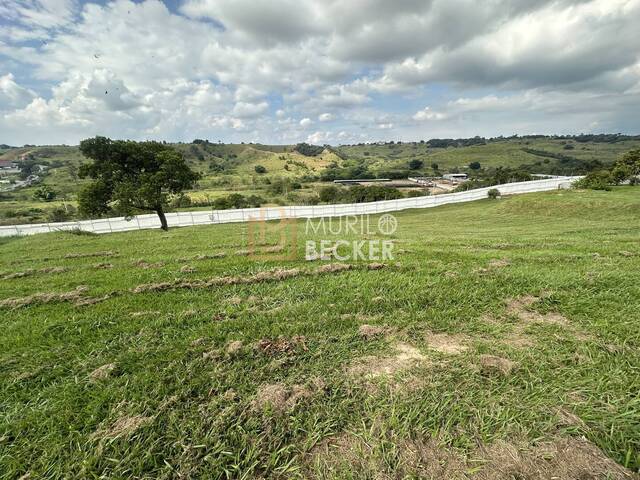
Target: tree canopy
{"points": [[130, 176]]}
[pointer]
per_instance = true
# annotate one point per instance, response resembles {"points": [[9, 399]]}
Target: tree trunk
{"points": [[163, 219]]}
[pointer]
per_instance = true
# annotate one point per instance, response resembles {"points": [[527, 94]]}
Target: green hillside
{"points": [[288, 177], [502, 341]]}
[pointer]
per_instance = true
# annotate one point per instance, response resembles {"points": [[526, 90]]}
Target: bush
{"points": [[474, 165], [329, 194], [45, 193], [493, 193], [416, 164], [260, 169], [600, 180], [60, 214]]}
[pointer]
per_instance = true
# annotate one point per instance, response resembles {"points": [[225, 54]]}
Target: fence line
{"points": [[182, 219]]}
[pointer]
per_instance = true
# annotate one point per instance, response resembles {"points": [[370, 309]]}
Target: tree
{"points": [[416, 164], [131, 176], [475, 165], [434, 166], [627, 168], [260, 169]]}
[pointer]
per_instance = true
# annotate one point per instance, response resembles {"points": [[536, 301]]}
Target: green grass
{"points": [[579, 250]]}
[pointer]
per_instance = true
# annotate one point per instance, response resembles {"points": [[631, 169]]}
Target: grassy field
{"points": [[503, 341]]}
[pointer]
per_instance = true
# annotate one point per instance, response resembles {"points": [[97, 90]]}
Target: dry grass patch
{"points": [[108, 253], [369, 332], [29, 272], [187, 269], [234, 347], [498, 263], [567, 418], [404, 358], [123, 427], [277, 274], [491, 365], [282, 345], [562, 458], [281, 398], [103, 372], [145, 313], [103, 266], [147, 265], [447, 344], [74, 296]]}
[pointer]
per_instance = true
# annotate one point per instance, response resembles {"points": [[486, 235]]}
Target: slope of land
{"points": [[231, 168], [502, 342]]}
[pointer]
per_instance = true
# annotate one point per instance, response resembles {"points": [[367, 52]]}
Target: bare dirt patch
{"points": [[404, 358], [234, 348], [447, 344], [491, 365], [369, 332], [519, 307], [281, 398]]}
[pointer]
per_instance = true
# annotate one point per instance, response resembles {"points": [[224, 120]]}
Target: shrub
{"points": [[329, 194], [260, 169], [600, 180], [416, 164], [45, 193], [474, 165], [493, 193]]}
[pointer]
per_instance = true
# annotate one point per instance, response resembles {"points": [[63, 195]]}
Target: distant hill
{"points": [[281, 174]]}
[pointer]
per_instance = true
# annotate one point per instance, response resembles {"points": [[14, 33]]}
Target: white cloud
{"points": [[360, 68], [13, 95], [427, 114], [250, 110]]}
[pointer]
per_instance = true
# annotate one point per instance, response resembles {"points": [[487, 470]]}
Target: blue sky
{"points": [[283, 71]]}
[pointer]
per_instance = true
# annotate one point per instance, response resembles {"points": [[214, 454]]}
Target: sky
{"points": [[320, 71]]}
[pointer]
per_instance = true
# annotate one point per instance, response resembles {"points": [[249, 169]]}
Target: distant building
{"points": [[362, 180], [456, 177], [7, 164]]}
